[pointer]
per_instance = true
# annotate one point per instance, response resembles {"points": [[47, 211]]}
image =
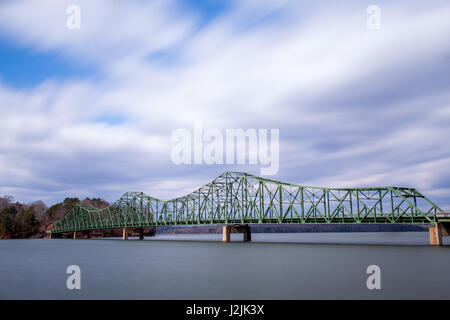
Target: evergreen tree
{"points": [[6, 225], [30, 224]]}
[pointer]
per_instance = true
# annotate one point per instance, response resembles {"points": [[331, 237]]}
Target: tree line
{"points": [[19, 220]]}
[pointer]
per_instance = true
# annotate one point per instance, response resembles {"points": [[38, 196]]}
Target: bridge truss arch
{"points": [[242, 198]]}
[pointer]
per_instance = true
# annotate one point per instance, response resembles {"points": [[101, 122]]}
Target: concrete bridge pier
{"points": [[125, 234], [141, 233], [74, 235], [226, 230], [244, 229], [439, 230]]}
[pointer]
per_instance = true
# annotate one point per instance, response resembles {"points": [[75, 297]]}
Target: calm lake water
{"points": [[273, 266]]}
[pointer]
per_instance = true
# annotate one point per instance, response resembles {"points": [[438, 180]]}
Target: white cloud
{"points": [[109, 29], [258, 65]]}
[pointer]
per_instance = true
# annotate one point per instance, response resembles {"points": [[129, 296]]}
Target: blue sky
{"points": [[90, 112], [23, 67]]}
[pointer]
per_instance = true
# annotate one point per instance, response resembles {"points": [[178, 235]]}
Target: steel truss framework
{"points": [[241, 198]]}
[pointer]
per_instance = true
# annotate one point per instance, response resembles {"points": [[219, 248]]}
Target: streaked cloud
{"points": [[354, 106]]}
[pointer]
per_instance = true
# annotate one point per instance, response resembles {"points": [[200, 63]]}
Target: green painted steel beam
{"points": [[237, 197]]}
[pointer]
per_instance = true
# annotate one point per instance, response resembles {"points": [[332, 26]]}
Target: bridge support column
{"points": [[141, 233], [125, 234], [247, 233], [226, 230], [88, 234], [74, 235], [244, 229], [435, 235], [439, 230]]}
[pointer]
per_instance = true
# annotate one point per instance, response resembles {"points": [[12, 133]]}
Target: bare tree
{"points": [[6, 201]]}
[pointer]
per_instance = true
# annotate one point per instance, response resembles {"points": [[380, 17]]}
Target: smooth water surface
{"points": [[273, 266]]}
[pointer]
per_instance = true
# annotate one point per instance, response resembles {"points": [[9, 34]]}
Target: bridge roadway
{"points": [[236, 200]]}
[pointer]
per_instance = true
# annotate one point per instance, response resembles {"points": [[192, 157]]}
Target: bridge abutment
{"points": [[439, 230], [244, 229]]}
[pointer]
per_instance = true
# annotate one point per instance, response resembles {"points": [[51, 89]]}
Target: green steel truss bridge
{"points": [[241, 198]]}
